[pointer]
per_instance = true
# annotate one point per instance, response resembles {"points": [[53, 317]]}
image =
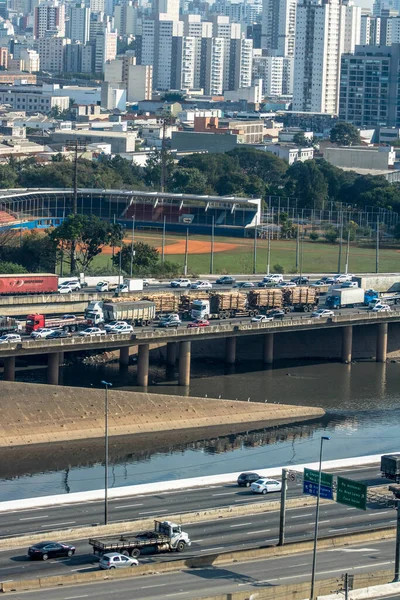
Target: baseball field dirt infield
{"points": [[196, 247]]}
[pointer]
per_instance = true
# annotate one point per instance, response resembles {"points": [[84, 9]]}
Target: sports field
{"points": [[235, 255]]}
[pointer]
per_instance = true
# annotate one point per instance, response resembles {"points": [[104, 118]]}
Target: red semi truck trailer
{"points": [[38, 283]]}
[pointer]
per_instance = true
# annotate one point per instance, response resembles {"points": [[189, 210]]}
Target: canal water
{"points": [[362, 401]]}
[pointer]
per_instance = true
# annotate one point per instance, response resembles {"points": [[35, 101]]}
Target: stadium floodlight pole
{"points": [[185, 268], [133, 243], [346, 270], [314, 562], [106, 385], [377, 246], [255, 251], [268, 251], [340, 241], [163, 240], [212, 246], [297, 245]]}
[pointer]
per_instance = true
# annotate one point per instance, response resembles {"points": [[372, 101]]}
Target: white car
{"points": [[10, 338], [261, 319], [122, 329], [322, 313], [201, 285], [181, 283], [92, 332], [287, 284], [276, 278], [41, 333], [264, 486], [381, 308], [68, 288], [115, 560], [341, 278], [110, 326]]}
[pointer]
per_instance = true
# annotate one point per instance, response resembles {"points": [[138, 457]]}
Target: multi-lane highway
{"points": [[216, 534], [253, 575]]}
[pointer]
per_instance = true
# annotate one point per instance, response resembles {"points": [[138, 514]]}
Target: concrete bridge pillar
{"points": [[124, 356], [347, 343], [268, 348], [9, 368], [143, 365], [61, 357], [53, 363], [171, 353], [230, 350], [381, 342], [184, 363]]}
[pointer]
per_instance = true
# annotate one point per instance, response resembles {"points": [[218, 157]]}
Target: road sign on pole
{"points": [[310, 484], [352, 493]]}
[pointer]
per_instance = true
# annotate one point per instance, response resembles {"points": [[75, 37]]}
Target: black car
{"points": [[277, 313], [301, 280], [246, 479], [226, 280], [55, 335], [45, 550]]}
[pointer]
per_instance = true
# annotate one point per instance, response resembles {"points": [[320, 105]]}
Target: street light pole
{"points": [[314, 562], [133, 243], [107, 385]]}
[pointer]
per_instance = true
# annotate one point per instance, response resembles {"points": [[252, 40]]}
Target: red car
{"points": [[199, 323]]}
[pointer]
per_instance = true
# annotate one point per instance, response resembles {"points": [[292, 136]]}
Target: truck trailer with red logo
{"points": [[37, 283]]}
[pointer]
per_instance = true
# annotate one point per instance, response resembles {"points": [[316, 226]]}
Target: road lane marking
{"points": [[339, 529], [225, 494], [154, 511], [197, 541], [175, 594], [57, 524], [128, 506], [300, 516], [241, 525], [212, 549], [32, 518], [326, 521], [74, 597], [147, 587], [258, 531]]}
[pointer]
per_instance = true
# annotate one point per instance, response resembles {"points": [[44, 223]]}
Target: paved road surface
{"points": [[209, 581], [214, 535]]}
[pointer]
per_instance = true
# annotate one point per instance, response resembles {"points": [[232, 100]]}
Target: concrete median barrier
{"points": [[211, 559]]}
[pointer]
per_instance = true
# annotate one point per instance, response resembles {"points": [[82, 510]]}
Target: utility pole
{"points": [[212, 246], [163, 240], [185, 268], [314, 560], [340, 243], [165, 122], [297, 246], [282, 516], [347, 252], [255, 251], [397, 556], [76, 146], [346, 586], [269, 251], [377, 246], [133, 242], [106, 385]]}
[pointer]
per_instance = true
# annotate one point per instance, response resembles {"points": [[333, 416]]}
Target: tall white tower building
{"points": [[279, 26], [79, 23], [352, 26], [319, 42]]}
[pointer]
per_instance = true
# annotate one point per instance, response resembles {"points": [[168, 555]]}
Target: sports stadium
{"points": [[42, 208]]}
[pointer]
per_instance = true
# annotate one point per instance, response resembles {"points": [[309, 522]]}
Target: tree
{"points": [[301, 140], [307, 183], [144, 260], [345, 134], [152, 171], [88, 234], [173, 97], [8, 268], [397, 232], [37, 253], [264, 165], [331, 235], [188, 181], [313, 236]]}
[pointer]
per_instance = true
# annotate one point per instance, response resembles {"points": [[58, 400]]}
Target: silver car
{"points": [[115, 560]]}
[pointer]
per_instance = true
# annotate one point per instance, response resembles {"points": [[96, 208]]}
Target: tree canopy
{"points": [[345, 134]]}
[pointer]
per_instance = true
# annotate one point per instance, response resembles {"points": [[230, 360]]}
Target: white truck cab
{"points": [[200, 309], [178, 537]]}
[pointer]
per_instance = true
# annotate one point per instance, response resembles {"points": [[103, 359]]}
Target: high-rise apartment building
{"points": [[126, 17], [97, 6], [275, 72], [370, 30], [30, 59], [352, 26], [224, 29], [318, 48], [79, 23], [279, 26], [49, 17], [370, 86], [51, 52]]}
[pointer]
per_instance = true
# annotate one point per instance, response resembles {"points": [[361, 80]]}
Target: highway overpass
{"points": [[179, 342]]}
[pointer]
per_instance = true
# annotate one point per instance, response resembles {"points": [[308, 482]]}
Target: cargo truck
{"points": [[67, 323], [222, 306], [345, 298], [390, 467], [166, 537], [129, 285], [9, 325], [39, 283], [138, 312]]}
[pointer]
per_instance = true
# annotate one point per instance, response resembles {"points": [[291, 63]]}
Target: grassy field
{"points": [[317, 257]]}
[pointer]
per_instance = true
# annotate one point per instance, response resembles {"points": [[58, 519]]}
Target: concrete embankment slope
{"points": [[34, 413]]}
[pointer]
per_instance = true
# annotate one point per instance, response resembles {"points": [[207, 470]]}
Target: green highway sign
{"points": [[313, 477], [352, 493]]}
